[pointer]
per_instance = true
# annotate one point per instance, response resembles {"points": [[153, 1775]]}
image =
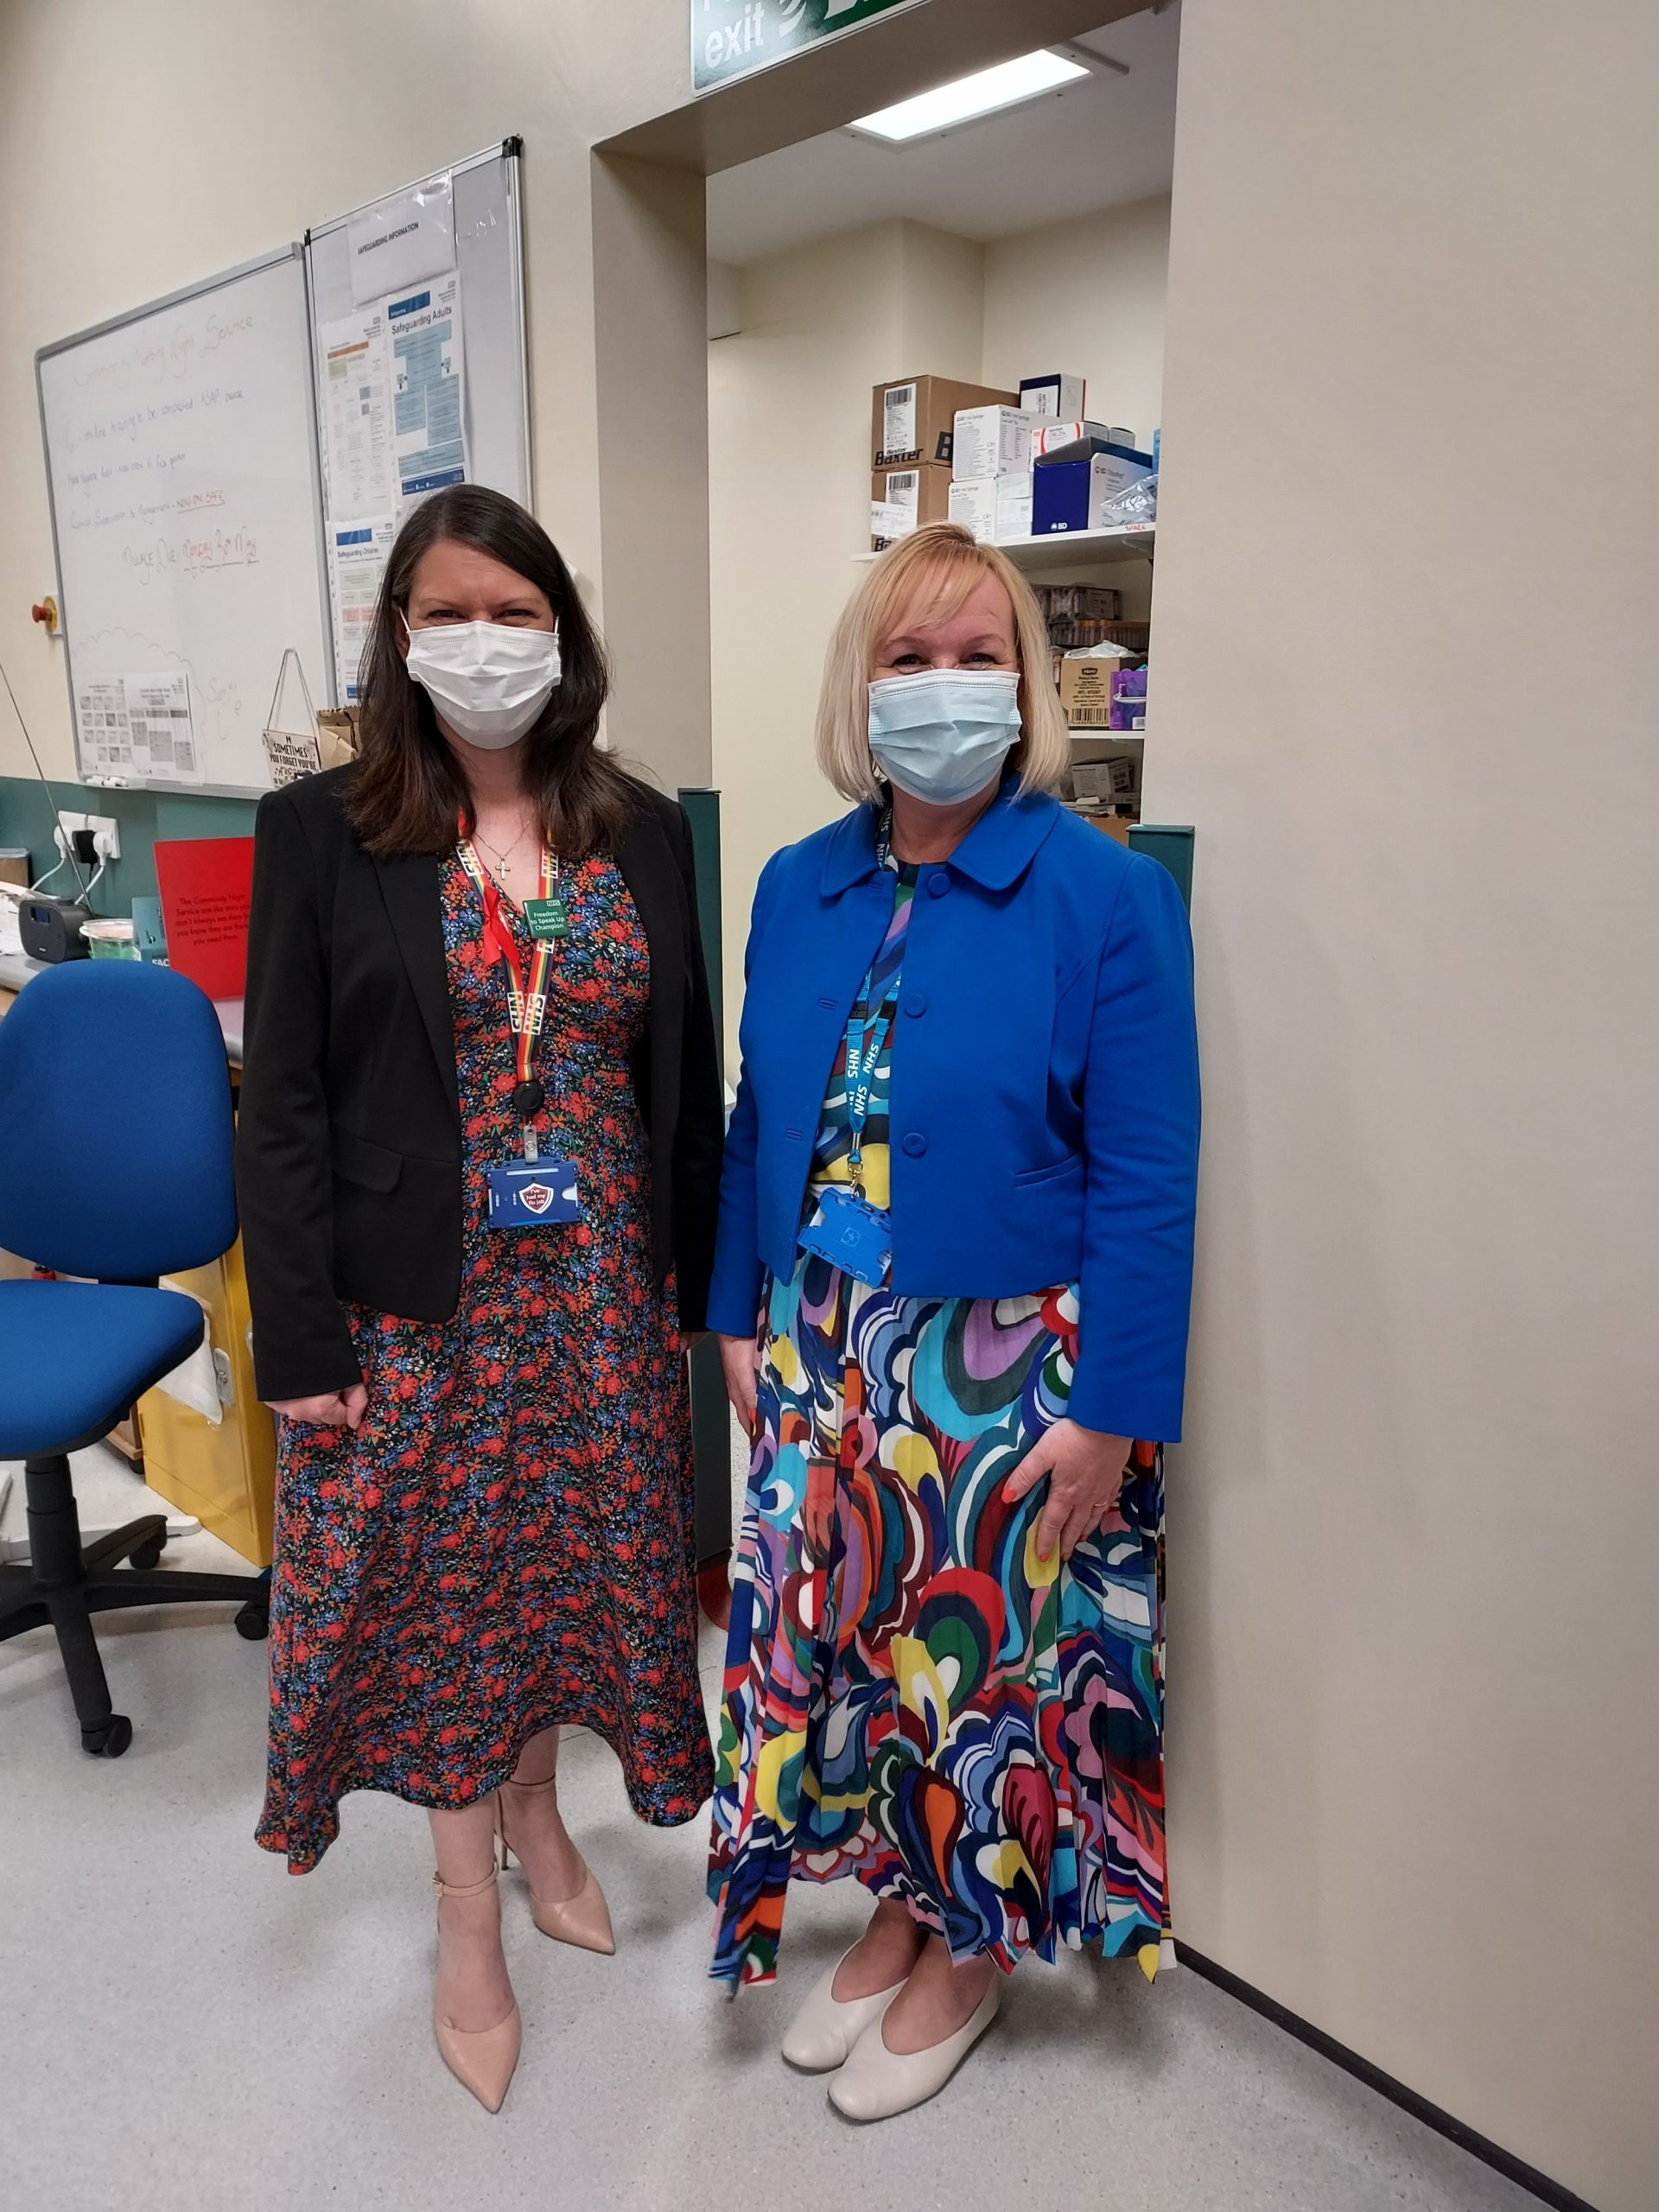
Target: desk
{"points": [[224, 1477], [17, 969]]}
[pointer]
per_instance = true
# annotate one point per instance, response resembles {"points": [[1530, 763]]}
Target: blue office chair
{"points": [[115, 1163]]}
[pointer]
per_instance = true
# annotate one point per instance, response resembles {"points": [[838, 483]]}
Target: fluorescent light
{"points": [[984, 93]]}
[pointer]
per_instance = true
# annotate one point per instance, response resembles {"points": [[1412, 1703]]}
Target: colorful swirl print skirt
{"points": [[911, 1695]]}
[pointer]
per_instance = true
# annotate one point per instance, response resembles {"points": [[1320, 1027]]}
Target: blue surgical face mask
{"points": [[943, 733]]}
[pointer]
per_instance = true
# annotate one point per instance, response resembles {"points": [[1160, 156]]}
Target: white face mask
{"points": [[943, 733], [489, 681]]}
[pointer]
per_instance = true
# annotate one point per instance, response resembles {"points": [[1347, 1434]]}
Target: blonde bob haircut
{"points": [[923, 580]]}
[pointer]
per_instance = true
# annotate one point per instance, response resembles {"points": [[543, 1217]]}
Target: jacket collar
{"points": [[996, 853]]}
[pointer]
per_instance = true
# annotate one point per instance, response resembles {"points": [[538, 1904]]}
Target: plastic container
{"points": [[13, 865], [110, 940]]}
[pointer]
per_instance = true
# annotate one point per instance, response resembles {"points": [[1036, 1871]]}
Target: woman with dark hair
{"points": [[478, 1165]]}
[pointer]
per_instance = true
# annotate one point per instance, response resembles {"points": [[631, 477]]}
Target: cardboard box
{"points": [[1086, 686], [925, 490], [993, 507], [1081, 603], [1053, 437], [1109, 770], [1061, 398], [990, 441], [1072, 494], [1013, 507], [914, 418], [888, 523]]}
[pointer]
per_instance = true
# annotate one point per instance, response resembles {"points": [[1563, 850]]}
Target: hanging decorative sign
{"points": [[731, 38]]}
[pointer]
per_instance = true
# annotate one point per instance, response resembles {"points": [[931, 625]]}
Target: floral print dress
{"points": [[912, 1696], [506, 1542]]}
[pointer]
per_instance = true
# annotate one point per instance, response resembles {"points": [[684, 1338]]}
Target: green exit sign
{"points": [[729, 38]]}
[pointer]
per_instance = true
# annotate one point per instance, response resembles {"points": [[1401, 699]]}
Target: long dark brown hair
{"points": [[408, 792]]}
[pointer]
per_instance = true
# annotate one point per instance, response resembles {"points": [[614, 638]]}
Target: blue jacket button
{"points": [[939, 882], [916, 1002], [915, 1144]]}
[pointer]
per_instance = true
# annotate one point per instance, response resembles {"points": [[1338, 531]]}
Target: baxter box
{"points": [[993, 507], [925, 490], [914, 418], [1059, 397], [990, 441], [1073, 495]]}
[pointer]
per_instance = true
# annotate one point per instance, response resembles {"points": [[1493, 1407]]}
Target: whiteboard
{"points": [[180, 450], [489, 256]]}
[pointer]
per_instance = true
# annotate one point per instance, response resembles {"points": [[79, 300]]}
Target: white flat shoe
{"points": [[876, 2083], [825, 2028]]}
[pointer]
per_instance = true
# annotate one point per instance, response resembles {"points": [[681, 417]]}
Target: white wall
{"points": [[1409, 705], [789, 489], [137, 157], [1091, 292], [790, 451]]}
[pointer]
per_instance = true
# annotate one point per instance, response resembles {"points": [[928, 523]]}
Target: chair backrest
{"points": [[115, 1123]]}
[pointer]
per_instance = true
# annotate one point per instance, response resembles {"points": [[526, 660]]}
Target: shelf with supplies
{"points": [[1072, 549]]}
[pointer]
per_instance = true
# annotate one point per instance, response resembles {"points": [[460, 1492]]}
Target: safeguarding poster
{"points": [[429, 399]]}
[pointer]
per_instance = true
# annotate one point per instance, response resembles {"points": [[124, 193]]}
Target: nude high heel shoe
{"points": [[481, 2060], [584, 1920]]}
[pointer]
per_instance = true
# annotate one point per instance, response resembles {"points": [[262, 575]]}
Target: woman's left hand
{"points": [[1085, 1475]]}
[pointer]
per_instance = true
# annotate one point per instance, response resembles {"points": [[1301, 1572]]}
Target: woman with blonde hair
{"points": [[952, 1291]]}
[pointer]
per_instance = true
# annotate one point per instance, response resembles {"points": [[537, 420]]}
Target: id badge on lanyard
{"points": [[523, 1193], [847, 1229]]}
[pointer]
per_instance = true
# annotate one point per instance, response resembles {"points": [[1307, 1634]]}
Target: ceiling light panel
{"points": [[969, 98]]}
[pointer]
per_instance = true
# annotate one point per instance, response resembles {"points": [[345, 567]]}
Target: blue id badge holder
{"points": [[847, 1229], [529, 1191], [853, 1236]]}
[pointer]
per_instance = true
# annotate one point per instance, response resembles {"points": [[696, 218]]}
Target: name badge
{"points": [[853, 1236], [547, 918], [526, 1192]]}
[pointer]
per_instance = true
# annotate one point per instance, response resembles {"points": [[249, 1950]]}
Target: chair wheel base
{"points": [[110, 1738], [149, 1555], [253, 1622]]}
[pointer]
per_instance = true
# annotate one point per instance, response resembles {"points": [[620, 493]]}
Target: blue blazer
{"points": [[1044, 1111]]}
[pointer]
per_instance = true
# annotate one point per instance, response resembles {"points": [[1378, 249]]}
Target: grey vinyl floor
{"points": [[183, 2025]]}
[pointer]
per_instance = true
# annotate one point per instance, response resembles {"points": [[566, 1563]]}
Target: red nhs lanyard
{"points": [[526, 1007]]}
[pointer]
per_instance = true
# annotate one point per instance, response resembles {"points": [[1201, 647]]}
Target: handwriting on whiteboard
{"points": [[197, 554], [161, 357]]}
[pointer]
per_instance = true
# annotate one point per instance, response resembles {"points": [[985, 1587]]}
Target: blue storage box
{"points": [[1072, 494]]}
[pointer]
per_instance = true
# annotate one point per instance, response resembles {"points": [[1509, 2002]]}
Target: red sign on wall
{"points": [[206, 887]]}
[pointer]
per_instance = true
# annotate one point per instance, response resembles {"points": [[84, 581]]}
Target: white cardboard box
{"points": [[889, 521], [1060, 397], [973, 504], [990, 441], [993, 507], [1014, 506], [1050, 437]]}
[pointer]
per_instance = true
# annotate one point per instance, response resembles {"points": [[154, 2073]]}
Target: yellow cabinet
{"points": [[225, 1478]]}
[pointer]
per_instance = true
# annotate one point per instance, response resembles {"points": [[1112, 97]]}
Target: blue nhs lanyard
{"points": [[866, 1035]]}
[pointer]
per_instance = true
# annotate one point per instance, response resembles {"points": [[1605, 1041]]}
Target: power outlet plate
{"points": [[104, 827]]}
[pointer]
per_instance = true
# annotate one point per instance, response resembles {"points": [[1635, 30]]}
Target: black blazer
{"points": [[348, 1156]]}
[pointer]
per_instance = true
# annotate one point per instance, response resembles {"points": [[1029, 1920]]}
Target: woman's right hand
{"points": [[739, 1358], [335, 1410]]}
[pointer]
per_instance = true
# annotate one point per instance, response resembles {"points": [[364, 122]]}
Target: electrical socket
{"points": [[106, 833]]}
